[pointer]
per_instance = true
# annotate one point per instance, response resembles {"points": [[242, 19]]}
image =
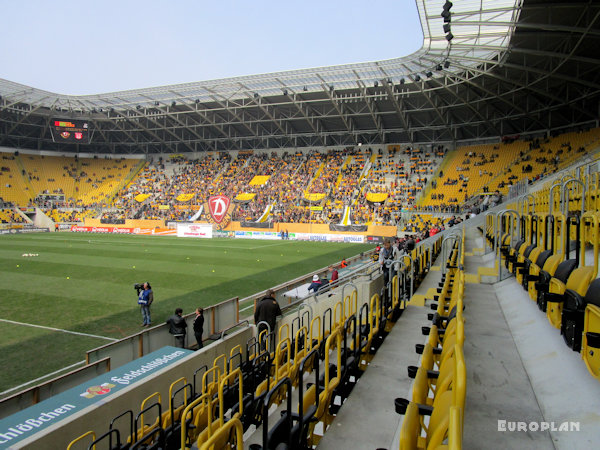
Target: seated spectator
{"points": [[316, 284]]}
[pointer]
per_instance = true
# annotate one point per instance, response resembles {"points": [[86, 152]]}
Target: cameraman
{"points": [[145, 299]]}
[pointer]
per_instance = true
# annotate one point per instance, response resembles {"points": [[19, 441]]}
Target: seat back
{"points": [[543, 256], [411, 428], [592, 296], [552, 263], [590, 347], [455, 429], [224, 436], [110, 434], [564, 269], [528, 250], [580, 279], [437, 430]]}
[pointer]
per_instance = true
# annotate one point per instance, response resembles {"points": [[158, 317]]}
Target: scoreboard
{"points": [[70, 131]]}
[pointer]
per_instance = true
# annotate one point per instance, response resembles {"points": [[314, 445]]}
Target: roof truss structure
{"points": [[513, 67]]}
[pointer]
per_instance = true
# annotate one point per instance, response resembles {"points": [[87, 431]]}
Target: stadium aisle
{"points": [[520, 370], [368, 419], [498, 386], [564, 389]]}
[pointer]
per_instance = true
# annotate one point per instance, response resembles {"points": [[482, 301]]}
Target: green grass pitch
{"points": [[84, 283]]}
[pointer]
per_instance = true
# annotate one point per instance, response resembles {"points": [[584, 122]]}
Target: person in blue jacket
{"points": [[145, 299], [316, 284]]}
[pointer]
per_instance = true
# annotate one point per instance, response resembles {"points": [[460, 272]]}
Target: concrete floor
{"points": [[367, 420], [498, 386], [564, 389], [520, 370]]}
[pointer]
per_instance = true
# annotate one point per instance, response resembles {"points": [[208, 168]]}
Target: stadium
{"points": [[453, 192]]}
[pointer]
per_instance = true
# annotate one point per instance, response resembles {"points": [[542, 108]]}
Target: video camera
{"points": [[138, 287]]}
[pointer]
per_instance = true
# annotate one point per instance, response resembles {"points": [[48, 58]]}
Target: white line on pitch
{"points": [[48, 375], [266, 245], [58, 329], [197, 244]]}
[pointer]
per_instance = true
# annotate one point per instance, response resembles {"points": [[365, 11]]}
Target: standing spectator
{"points": [[145, 299], [334, 274], [199, 326], [386, 256], [177, 326], [267, 310], [410, 244]]}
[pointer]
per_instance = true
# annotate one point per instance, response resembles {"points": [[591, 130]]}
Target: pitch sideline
{"points": [[59, 329]]}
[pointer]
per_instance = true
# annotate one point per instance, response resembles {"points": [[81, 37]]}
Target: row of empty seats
{"points": [[82, 181], [433, 417], [553, 253]]}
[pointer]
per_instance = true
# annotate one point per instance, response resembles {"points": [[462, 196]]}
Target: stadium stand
{"points": [[469, 170], [375, 185], [482, 169], [52, 175], [512, 329], [65, 215], [10, 216], [100, 178], [13, 186]]}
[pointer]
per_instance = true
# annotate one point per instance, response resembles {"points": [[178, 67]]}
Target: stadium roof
{"points": [[489, 68]]}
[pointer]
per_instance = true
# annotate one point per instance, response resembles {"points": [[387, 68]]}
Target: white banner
{"points": [[272, 235], [355, 238], [269, 235], [196, 230]]}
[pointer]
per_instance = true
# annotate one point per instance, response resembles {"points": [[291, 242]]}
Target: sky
{"points": [[91, 47]]}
